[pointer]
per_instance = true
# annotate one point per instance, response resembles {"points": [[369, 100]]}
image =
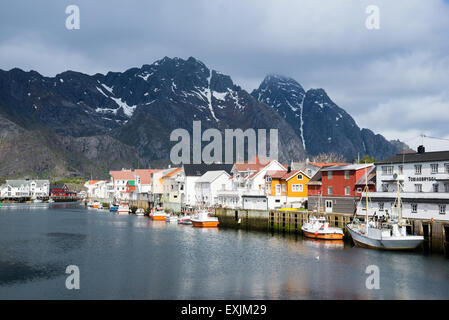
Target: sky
{"points": [[393, 80]]}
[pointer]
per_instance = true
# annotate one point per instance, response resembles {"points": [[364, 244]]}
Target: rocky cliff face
{"points": [[319, 123]]}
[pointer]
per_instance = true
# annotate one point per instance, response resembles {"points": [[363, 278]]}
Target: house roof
{"points": [[329, 164], [371, 177], [18, 183], [57, 186], [417, 157], [347, 167], [145, 175], [284, 175], [122, 175], [316, 179], [172, 172], [93, 181], [211, 176], [197, 170]]}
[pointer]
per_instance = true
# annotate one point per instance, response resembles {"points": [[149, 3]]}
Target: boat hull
{"points": [[158, 218], [361, 240], [323, 236], [205, 224]]}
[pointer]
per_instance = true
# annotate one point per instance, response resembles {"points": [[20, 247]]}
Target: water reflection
{"points": [[124, 256]]}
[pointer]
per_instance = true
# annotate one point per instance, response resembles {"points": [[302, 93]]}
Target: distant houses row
{"points": [[34, 189], [324, 187]]}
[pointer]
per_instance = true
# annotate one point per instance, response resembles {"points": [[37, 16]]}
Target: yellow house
{"points": [[286, 189]]}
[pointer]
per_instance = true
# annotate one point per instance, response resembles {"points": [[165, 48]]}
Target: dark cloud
{"points": [[379, 76]]}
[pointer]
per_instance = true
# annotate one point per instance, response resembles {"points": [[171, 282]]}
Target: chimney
{"points": [[421, 149]]}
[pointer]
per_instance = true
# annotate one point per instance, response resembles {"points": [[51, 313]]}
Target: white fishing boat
{"points": [[37, 201], [123, 208], [51, 200], [384, 234], [140, 212], [318, 228], [159, 215], [202, 219]]}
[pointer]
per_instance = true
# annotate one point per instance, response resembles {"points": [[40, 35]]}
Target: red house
{"points": [[61, 190], [336, 189]]}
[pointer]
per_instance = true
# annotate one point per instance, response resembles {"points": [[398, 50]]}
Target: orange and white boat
{"points": [[318, 228], [159, 215], [123, 208], [202, 219]]}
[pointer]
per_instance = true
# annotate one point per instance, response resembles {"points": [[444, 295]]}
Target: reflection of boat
{"points": [[140, 212], [51, 200], [159, 215], [202, 220], [123, 208], [184, 220], [384, 234], [328, 244], [171, 219], [37, 201], [318, 228]]}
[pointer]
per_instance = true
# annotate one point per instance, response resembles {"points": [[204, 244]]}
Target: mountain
{"points": [[78, 121], [319, 123]]}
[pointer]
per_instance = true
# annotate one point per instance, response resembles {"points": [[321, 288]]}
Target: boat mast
{"points": [[399, 204], [366, 198]]}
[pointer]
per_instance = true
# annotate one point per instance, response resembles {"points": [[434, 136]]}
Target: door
{"points": [[328, 205]]}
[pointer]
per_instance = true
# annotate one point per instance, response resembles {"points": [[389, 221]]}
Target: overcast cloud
{"points": [[393, 80]]}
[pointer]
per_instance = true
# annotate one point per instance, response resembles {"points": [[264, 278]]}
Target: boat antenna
{"points": [[366, 198]]}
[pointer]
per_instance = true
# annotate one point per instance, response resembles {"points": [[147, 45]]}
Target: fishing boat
{"points": [[96, 205], [318, 228], [123, 208], [51, 200], [113, 207], [140, 212], [202, 219], [384, 234], [159, 215], [37, 201]]}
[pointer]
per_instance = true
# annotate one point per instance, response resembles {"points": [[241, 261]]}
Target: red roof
{"points": [[175, 170], [93, 181], [324, 164], [122, 175], [283, 175], [145, 175]]}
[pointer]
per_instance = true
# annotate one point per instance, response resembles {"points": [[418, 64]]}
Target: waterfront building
{"points": [[247, 189], [208, 185], [61, 190], [119, 180], [171, 183], [312, 168], [286, 188], [142, 184], [336, 189], [157, 186], [424, 177], [35, 189], [188, 177], [98, 189]]}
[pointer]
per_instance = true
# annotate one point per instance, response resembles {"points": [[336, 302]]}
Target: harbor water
{"points": [[130, 257]]}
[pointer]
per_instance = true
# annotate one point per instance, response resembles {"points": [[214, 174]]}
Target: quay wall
{"points": [[436, 233]]}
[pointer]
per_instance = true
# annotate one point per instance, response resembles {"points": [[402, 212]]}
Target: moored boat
{"points": [[171, 219], [184, 220], [159, 215], [123, 208], [384, 233], [140, 212], [202, 219], [318, 228]]}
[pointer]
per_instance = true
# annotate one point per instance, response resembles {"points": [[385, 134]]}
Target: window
{"points": [[384, 187], [329, 175], [418, 187], [300, 177], [329, 190], [381, 206], [446, 167], [297, 187], [436, 187], [347, 191], [387, 170], [359, 190], [309, 172], [434, 168], [268, 188], [401, 169], [446, 187], [268, 179], [442, 208], [414, 207], [283, 188], [278, 189], [418, 169], [347, 174]]}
